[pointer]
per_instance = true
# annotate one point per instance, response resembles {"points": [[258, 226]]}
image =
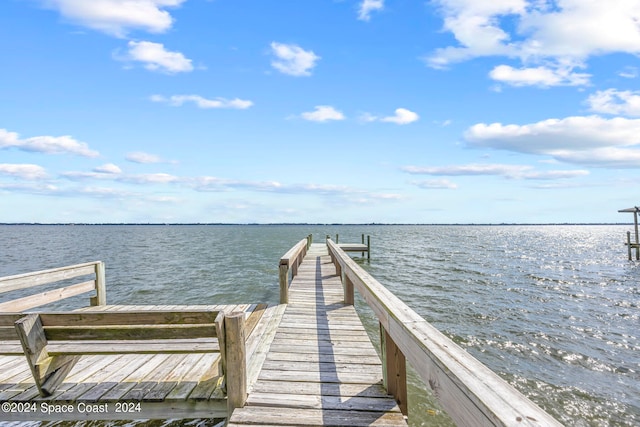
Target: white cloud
{"points": [[629, 72], [612, 101], [402, 117], [588, 140], [155, 57], [559, 35], [150, 178], [108, 168], [436, 184], [538, 76], [141, 157], [368, 6], [292, 59], [23, 171], [46, 144], [117, 17], [201, 102], [323, 113], [507, 171]]}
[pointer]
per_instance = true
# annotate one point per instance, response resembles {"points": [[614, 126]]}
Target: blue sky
{"points": [[442, 111]]}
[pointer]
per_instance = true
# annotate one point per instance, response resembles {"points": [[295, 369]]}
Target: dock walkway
{"points": [[321, 368]]}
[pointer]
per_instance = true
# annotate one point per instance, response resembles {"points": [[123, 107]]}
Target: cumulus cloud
{"points": [[402, 116], [612, 101], [323, 113], [368, 6], [155, 57], [201, 102], [292, 59], [560, 35], [46, 144], [504, 170], [538, 76], [23, 171], [587, 140], [117, 17]]}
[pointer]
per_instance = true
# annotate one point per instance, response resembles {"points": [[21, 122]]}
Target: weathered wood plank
{"points": [[25, 303], [27, 280], [128, 317], [313, 417], [318, 401]]}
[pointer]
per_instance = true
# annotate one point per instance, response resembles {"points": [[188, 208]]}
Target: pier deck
{"points": [[136, 386], [321, 368]]}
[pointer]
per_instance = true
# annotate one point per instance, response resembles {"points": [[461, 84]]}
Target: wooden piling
{"points": [[236, 365]]}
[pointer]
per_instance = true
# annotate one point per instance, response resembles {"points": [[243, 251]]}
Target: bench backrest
{"points": [[40, 278]]}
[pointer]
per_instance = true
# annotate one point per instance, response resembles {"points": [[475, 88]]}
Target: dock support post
{"points": [[369, 247], [629, 244], [101, 289], [284, 284], [394, 370], [236, 361], [337, 236], [362, 255]]}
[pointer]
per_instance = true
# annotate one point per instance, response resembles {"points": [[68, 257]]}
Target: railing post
{"points": [[284, 284], [101, 288], [394, 370], [348, 290], [236, 363]]}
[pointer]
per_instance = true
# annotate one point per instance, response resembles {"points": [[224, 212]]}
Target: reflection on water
{"points": [[554, 310]]}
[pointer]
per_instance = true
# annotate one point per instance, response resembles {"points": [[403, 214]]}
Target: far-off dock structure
{"points": [[307, 361], [633, 245]]}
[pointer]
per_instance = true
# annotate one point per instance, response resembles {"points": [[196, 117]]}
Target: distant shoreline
{"points": [[309, 224]]}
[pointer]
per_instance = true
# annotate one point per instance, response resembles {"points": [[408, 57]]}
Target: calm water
{"points": [[554, 310]]}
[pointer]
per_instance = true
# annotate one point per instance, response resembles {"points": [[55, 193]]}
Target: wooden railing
{"points": [[39, 278], [468, 391], [290, 261]]}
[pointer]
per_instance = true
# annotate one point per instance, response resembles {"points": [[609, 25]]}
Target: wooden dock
{"points": [[307, 361], [321, 369]]}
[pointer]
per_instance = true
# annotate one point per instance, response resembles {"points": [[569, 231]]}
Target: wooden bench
{"points": [[54, 342]]}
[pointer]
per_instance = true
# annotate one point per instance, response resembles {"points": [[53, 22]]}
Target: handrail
{"points": [[44, 277], [291, 260], [471, 393]]}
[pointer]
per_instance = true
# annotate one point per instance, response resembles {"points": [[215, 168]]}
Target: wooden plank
{"points": [[151, 380], [316, 388], [324, 357], [129, 332], [258, 344], [318, 401], [108, 377], [131, 316], [27, 280], [190, 381], [313, 417], [325, 377], [47, 297], [172, 379], [121, 389], [137, 347]]}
